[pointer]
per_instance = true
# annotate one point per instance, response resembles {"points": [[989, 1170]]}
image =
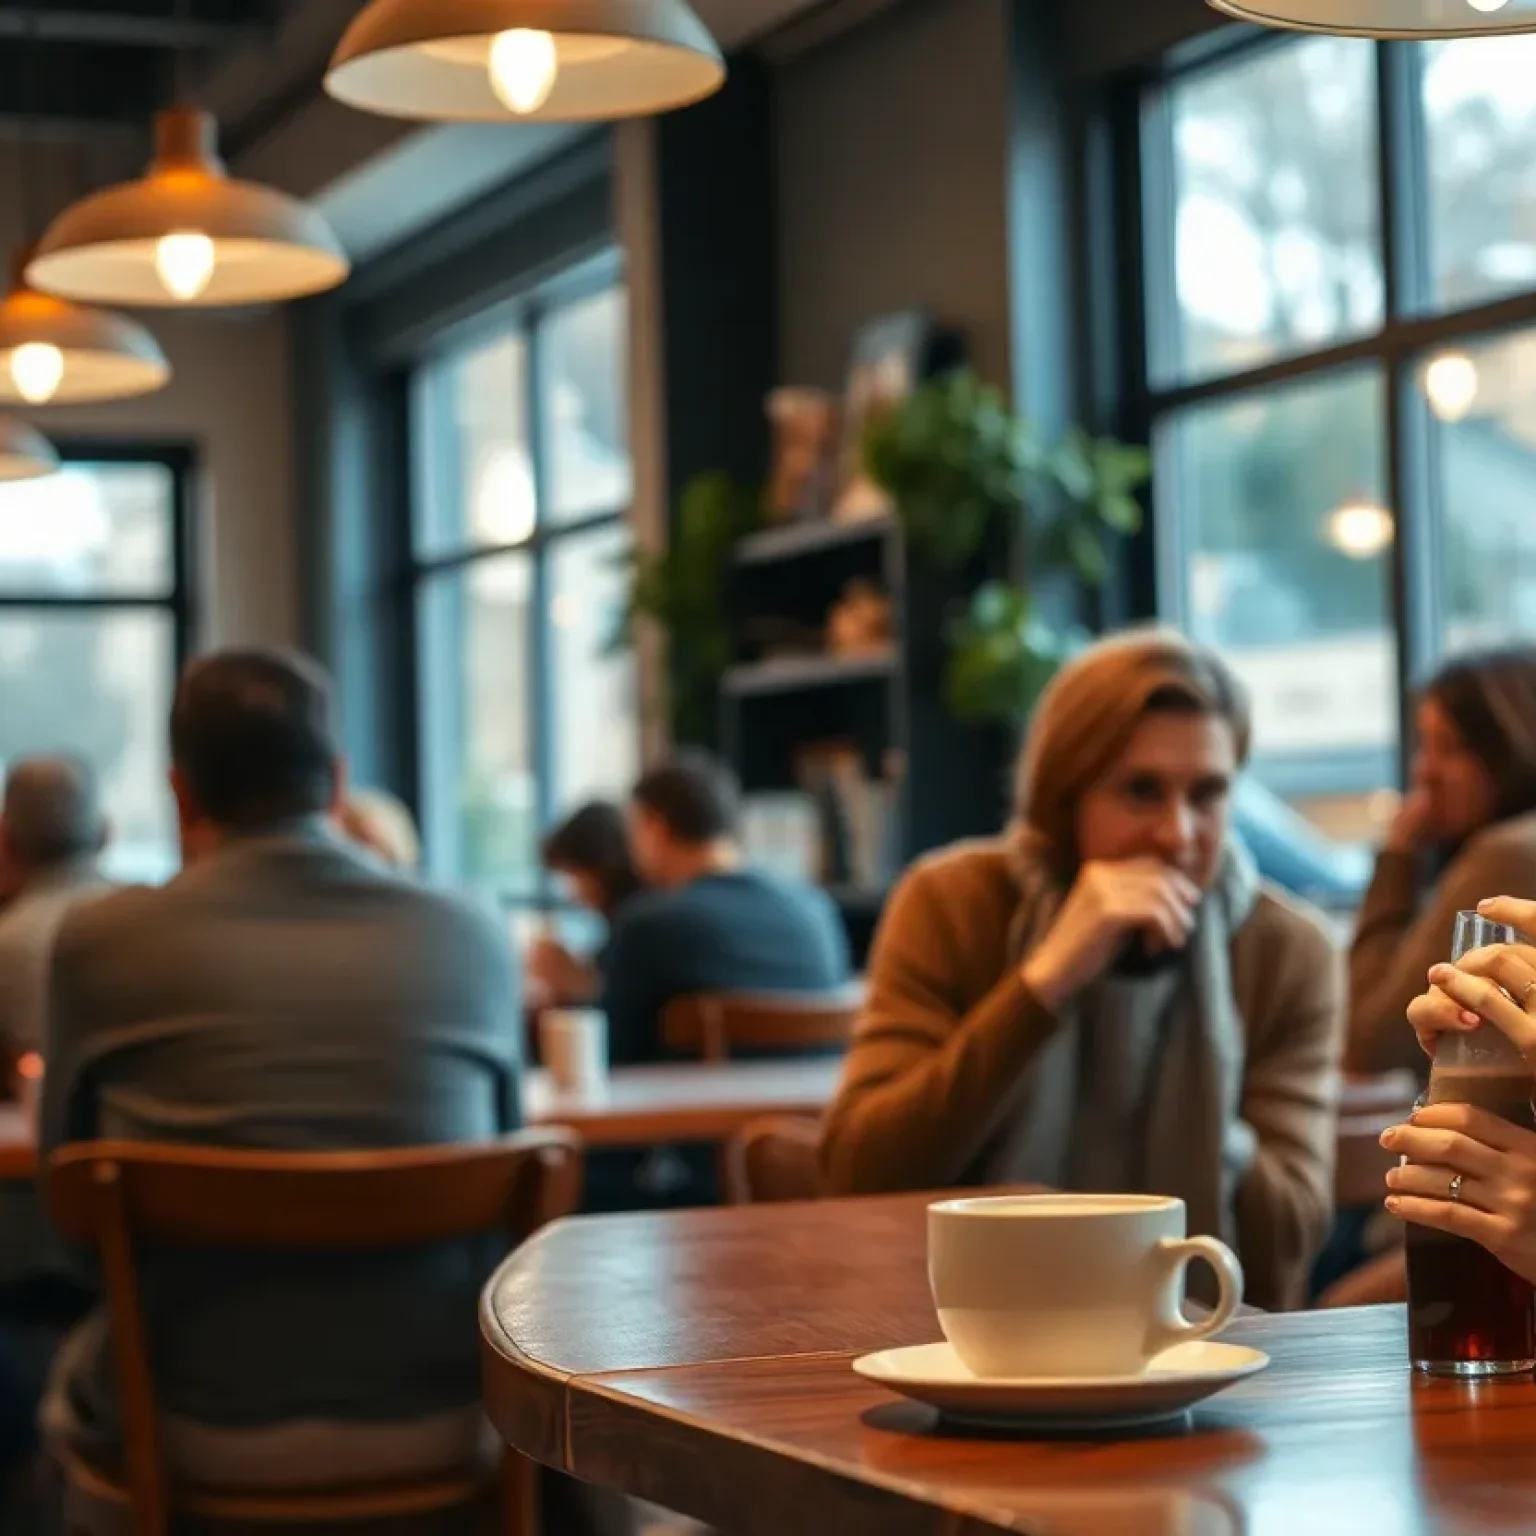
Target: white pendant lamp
{"points": [[25, 454], [1411, 19], [516, 60], [55, 352], [186, 234]]}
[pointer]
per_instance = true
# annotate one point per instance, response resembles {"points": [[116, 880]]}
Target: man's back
{"points": [[732, 931], [287, 994]]}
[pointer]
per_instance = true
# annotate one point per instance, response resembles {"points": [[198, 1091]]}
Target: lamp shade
{"points": [[1388, 18], [185, 234], [524, 60], [25, 454], [53, 351]]}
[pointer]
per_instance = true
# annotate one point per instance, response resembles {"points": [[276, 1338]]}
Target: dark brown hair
{"points": [[1490, 698], [594, 841]]}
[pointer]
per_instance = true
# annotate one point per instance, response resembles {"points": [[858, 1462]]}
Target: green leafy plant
{"points": [[961, 467], [682, 589]]}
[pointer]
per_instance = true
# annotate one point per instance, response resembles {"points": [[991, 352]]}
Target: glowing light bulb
{"points": [[1360, 530], [1487, 5], [184, 263], [1451, 382], [524, 67], [37, 370]]}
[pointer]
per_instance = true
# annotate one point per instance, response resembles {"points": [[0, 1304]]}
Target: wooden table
{"points": [[641, 1106], [701, 1360]]}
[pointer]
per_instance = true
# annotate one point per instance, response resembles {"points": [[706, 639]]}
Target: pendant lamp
{"points": [[514, 60], [1411, 19], [25, 454], [186, 234], [56, 352]]}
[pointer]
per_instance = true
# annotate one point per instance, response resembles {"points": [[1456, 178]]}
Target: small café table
{"points": [[637, 1106], [701, 1360]]}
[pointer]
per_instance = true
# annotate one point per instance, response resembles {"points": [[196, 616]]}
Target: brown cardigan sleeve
{"points": [[1394, 948], [1291, 988], [928, 1074]]}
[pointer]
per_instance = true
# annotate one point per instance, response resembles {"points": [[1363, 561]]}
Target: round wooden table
{"points": [[700, 1360]]}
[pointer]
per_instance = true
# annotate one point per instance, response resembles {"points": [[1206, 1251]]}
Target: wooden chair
{"points": [[717, 1025], [773, 1160], [113, 1195]]}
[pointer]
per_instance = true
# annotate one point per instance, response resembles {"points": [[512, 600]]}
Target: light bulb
{"points": [[524, 67], [1451, 382], [184, 263], [1360, 530], [1487, 5], [37, 370]]}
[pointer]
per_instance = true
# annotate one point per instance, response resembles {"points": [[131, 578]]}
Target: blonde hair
{"points": [[1090, 711], [376, 820]]}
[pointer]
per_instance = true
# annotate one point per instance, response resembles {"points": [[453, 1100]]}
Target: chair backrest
{"points": [[717, 1025], [114, 1194], [773, 1160]]}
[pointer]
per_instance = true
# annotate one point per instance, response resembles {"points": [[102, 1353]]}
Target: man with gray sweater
{"points": [[284, 992]]}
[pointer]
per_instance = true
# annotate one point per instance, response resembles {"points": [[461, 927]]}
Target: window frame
{"points": [[1410, 332], [437, 753]]}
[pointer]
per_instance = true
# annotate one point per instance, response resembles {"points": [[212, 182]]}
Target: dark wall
{"points": [[892, 147], [1102, 37]]}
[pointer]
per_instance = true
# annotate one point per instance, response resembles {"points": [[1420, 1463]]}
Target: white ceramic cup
{"points": [[573, 1043], [1032, 1286]]}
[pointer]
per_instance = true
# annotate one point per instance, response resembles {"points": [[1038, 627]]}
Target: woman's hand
{"points": [[1410, 826], [1496, 986], [556, 974], [1496, 1199], [1108, 903]]}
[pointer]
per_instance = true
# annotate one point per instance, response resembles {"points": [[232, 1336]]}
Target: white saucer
{"points": [[1173, 1383]]}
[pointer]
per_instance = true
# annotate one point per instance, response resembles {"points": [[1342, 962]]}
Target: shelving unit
{"points": [[950, 779]]}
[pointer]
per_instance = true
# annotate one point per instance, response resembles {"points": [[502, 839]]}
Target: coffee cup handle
{"points": [[1172, 1327]]}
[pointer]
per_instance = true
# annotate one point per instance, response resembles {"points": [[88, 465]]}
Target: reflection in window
{"points": [[88, 640], [1284, 538], [524, 709], [1480, 132], [1482, 400], [1276, 230]]}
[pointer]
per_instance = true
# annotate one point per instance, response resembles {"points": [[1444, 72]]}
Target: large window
{"points": [[93, 622], [1340, 262], [522, 489]]}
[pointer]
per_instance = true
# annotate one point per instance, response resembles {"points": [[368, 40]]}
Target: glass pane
{"points": [[1276, 227], [593, 692], [1483, 403], [1284, 542], [481, 799], [1480, 129], [473, 469], [585, 359], [91, 529], [99, 686]]}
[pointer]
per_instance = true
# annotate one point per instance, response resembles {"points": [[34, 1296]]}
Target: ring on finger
{"points": [[1454, 1192], [1525, 995]]}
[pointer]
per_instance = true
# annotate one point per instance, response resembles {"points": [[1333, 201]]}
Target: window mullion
{"points": [[542, 726]]}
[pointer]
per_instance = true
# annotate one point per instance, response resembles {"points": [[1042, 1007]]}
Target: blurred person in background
{"points": [[380, 822], [1106, 998], [284, 992], [590, 852], [53, 832], [1466, 831], [708, 921]]}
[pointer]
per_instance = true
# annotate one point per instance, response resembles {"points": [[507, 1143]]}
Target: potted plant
{"points": [[961, 468]]}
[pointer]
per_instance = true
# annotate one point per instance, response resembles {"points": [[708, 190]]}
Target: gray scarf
{"points": [[1193, 1146]]}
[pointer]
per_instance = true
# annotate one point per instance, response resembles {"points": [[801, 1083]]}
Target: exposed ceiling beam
{"points": [[124, 29]]}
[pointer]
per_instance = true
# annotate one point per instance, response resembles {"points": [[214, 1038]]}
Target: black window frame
{"points": [[436, 751], [1144, 205]]}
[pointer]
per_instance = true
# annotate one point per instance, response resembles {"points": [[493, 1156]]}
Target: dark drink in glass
{"points": [[1467, 1314]]}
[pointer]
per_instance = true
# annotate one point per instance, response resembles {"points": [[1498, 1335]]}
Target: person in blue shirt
{"points": [[708, 922]]}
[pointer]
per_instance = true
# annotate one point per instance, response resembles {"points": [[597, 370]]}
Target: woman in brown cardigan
{"points": [[1470, 816], [1105, 998]]}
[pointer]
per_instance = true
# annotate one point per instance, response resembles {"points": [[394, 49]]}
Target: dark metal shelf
{"points": [[796, 674]]}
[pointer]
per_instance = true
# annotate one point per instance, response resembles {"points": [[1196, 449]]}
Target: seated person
{"points": [[52, 833], [590, 851], [376, 820], [708, 923], [1468, 824], [1105, 998], [285, 992], [1493, 1161]]}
